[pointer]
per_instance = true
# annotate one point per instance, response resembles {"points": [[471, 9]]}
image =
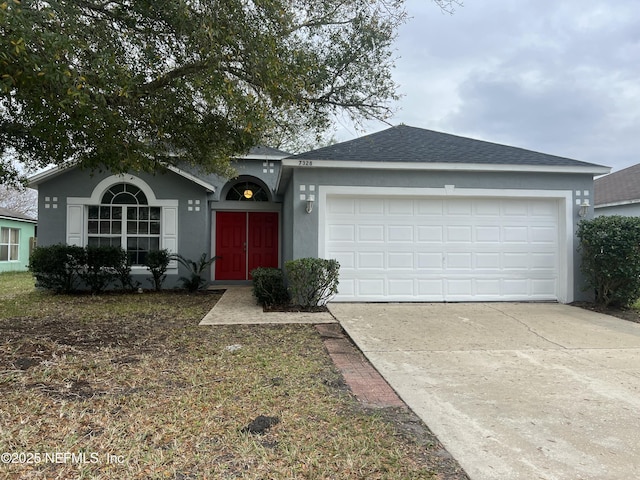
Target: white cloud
{"points": [[557, 77]]}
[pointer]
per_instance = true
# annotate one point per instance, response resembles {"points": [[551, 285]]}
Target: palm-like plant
{"points": [[196, 280]]}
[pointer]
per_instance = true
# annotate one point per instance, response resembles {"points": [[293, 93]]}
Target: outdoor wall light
{"points": [[584, 208], [310, 201]]}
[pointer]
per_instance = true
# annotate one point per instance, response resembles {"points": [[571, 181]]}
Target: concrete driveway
{"points": [[514, 391]]}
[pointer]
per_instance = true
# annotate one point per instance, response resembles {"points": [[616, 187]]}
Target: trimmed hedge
{"points": [[610, 247], [312, 281], [269, 287], [57, 267], [101, 267], [67, 268]]}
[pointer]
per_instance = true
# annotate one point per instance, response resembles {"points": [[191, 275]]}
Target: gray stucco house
{"points": [[411, 215], [618, 193]]}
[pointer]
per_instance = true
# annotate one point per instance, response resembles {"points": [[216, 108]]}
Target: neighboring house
{"points": [[618, 193], [17, 237], [411, 215]]}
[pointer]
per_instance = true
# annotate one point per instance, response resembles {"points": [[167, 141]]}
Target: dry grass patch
{"points": [[134, 388]]}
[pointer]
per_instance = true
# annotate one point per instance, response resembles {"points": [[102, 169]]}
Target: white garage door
{"points": [[443, 249]]}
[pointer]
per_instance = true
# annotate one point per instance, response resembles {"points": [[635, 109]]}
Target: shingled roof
{"points": [[13, 215], [622, 186], [403, 143]]}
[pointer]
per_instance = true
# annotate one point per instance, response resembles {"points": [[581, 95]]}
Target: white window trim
{"points": [[565, 198], [77, 212], [9, 245]]}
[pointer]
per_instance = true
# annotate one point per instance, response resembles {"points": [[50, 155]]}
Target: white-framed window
{"points": [[124, 219], [9, 244], [124, 211]]}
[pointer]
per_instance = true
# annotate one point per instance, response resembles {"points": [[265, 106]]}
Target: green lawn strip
{"points": [[134, 379]]}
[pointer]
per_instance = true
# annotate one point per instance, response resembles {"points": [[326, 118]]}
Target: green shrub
{"points": [[123, 272], [196, 280], [101, 267], [312, 281], [269, 287], [610, 248], [57, 267], [157, 261]]}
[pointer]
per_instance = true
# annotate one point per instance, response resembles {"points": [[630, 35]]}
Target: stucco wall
{"points": [[194, 221], [194, 230], [305, 233], [629, 210]]}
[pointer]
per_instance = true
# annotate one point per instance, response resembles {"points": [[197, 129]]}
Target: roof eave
{"points": [[42, 177], [34, 180], [18, 219], [617, 204], [444, 166], [260, 157], [207, 186]]}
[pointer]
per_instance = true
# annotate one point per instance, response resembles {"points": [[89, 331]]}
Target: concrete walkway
{"points": [[238, 306], [513, 391]]}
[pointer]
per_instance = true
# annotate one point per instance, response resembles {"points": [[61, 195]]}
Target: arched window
{"points": [[124, 194], [124, 219], [247, 192]]}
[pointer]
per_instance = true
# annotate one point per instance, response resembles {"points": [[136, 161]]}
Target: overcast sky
{"points": [[559, 77]]}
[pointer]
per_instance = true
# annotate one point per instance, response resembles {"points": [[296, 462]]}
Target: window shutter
{"points": [[170, 231], [75, 223]]}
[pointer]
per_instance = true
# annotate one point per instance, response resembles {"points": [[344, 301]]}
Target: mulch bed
{"points": [[628, 314]]}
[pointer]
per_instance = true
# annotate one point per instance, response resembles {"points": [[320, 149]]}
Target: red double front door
{"points": [[244, 241]]}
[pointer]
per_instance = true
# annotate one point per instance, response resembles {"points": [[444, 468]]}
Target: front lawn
{"points": [[129, 386]]}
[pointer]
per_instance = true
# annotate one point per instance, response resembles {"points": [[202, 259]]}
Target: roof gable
{"points": [[190, 173], [403, 143], [622, 186]]}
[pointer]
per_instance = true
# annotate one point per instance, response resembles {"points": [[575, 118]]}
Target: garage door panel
{"points": [[515, 234], [400, 286], [372, 287], [458, 261], [400, 206], [370, 207], [490, 234], [429, 207], [544, 287], [429, 233], [347, 287], [370, 233], [459, 233], [517, 208], [487, 261], [515, 261], [341, 206], [544, 235], [369, 260], [400, 233], [458, 287], [546, 210], [488, 287], [486, 208], [435, 249], [430, 261], [403, 260], [342, 233], [345, 259], [516, 287], [458, 207], [431, 289]]}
